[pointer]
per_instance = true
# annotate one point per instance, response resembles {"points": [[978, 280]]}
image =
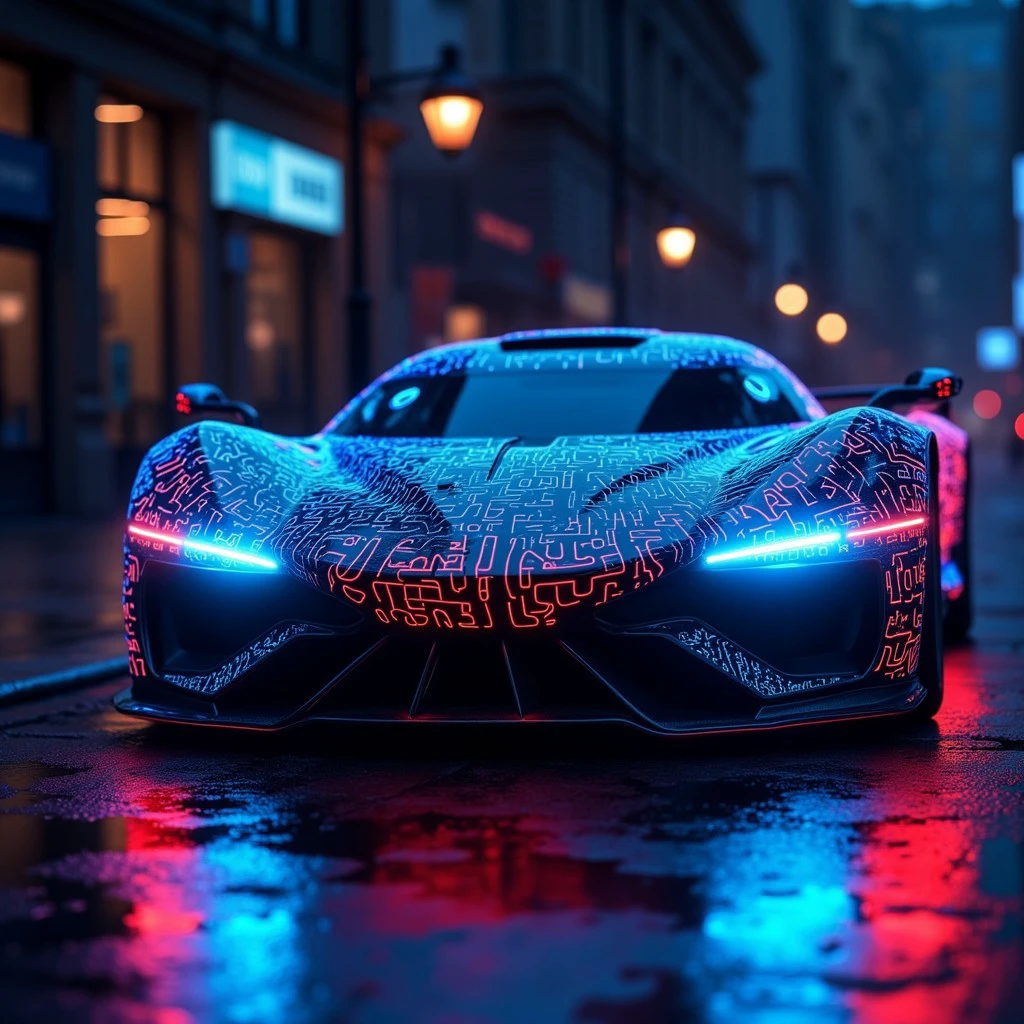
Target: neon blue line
{"points": [[228, 553], [757, 550]]}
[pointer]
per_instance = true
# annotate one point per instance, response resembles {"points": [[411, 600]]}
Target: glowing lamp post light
{"points": [[450, 106], [676, 242], [791, 299], [832, 328], [451, 109]]}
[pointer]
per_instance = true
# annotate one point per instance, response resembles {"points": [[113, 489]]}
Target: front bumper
{"points": [[697, 652]]}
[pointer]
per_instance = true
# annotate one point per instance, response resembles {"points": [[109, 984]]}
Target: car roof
{"points": [[612, 348]]}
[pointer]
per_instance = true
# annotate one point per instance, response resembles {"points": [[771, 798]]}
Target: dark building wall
{"points": [[541, 162], [188, 65]]}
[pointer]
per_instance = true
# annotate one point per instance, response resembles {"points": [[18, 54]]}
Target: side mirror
{"points": [[940, 382], [193, 399], [929, 384]]}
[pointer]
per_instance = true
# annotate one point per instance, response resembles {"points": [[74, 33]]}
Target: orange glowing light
{"points": [[118, 113], [676, 245], [115, 207], [114, 226], [451, 121], [832, 328], [987, 404], [791, 299]]}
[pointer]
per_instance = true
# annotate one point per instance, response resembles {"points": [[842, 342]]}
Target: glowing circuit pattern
{"points": [[479, 534], [953, 444], [210, 683], [729, 658]]}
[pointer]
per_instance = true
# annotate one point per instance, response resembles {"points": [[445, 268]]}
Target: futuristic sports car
{"points": [[601, 525]]}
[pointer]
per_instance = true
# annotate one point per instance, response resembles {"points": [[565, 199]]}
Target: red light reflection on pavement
{"points": [[930, 948]]}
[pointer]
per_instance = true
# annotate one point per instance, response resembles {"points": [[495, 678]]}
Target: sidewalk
{"points": [[60, 594]]}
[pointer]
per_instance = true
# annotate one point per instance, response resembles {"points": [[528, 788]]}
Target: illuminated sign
{"points": [[998, 348], [498, 231], [268, 177]]}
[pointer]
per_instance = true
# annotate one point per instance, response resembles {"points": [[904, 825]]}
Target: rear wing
{"points": [[930, 384]]}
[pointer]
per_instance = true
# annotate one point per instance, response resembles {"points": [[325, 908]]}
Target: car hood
{"points": [[398, 525], [509, 505]]}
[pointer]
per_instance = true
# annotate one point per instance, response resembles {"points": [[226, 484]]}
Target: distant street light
{"points": [[791, 299], [451, 106], [832, 328], [676, 242]]}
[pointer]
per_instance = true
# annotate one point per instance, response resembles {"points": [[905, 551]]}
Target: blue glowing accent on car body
{"points": [[818, 540], [400, 399], [759, 388], [187, 544]]}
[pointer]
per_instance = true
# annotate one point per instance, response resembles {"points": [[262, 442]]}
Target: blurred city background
{"points": [[832, 180]]}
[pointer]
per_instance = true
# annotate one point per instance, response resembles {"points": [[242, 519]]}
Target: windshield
{"points": [[600, 401]]}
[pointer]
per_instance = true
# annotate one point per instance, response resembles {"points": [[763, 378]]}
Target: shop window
{"points": [[464, 323], [274, 331], [280, 18], [20, 418], [131, 231], [15, 100]]}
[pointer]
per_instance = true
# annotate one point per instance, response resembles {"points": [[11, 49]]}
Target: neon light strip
{"points": [[757, 550], [890, 527], [187, 544]]}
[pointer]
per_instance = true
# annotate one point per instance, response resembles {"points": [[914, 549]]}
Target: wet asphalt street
{"points": [[873, 873]]}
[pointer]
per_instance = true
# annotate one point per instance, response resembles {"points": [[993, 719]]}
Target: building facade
{"points": [[832, 163], [961, 63], [171, 209], [518, 232]]}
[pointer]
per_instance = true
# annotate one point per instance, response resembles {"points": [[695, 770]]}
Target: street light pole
{"points": [[359, 302], [617, 162], [451, 107]]}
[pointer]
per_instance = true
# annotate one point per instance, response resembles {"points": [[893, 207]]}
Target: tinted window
{"points": [[586, 402]]}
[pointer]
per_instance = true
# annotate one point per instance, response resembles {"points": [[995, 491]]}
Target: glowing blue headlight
{"points": [[245, 558]]}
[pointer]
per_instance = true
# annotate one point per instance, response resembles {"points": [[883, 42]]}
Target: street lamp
{"points": [[451, 106], [676, 242], [451, 109], [791, 299]]}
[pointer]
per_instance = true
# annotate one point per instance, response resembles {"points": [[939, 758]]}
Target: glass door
{"points": [[21, 412], [275, 332]]}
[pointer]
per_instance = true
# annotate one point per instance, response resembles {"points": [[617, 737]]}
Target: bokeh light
{"points": [[1018, 426], [832, 328], [987, 404], [676, 245], [791, 299]]}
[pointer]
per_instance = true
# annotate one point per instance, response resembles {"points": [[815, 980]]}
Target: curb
{"points": [[36, 687]]}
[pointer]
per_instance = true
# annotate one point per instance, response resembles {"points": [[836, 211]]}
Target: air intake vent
{"points": [[612, 337]]}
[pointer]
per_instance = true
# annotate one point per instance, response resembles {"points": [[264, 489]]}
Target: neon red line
{"points": [[889, 527], [166, 538]]}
